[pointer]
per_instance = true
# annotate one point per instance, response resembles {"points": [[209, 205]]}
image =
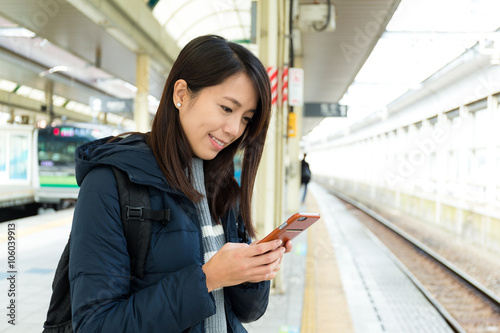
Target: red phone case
{"points": [[292, 227]]}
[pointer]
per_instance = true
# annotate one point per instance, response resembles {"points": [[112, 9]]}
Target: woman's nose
{"points": [[232, 125]]}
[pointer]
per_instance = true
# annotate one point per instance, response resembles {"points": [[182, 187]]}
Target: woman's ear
{"points": [[180, 93]]}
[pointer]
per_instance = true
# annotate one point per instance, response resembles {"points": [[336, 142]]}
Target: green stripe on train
{"points": [[54, 181]]}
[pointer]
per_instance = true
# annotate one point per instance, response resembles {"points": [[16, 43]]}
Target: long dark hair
{"points": [[208, 61]]}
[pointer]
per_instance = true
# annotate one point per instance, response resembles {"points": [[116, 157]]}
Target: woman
{"points": [[199, 275]]}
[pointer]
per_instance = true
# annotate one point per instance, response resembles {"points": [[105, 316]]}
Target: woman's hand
{"points": [[236, 263], [288, 246]]}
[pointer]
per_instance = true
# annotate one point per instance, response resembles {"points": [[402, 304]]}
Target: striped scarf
{"points": [[213, 240]]}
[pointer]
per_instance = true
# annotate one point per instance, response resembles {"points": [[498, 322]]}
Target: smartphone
{"points": [[292, 227]]}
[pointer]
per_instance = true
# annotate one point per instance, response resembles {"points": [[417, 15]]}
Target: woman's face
{"points": [[218, 115]]}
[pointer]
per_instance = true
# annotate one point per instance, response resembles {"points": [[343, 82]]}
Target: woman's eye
{"points": [[247, 120], [226, 109]]}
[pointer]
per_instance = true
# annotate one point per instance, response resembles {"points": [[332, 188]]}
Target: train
{"points": [[39, 161], [54, 175]]}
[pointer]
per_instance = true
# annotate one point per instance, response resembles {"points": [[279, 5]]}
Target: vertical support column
{"points": [[141, 113], [491, 151], [281, 130], [12, 113], [399, 134], [266, 183], [442, 126], [271, 177], [294, 169], [294, 195], [464, 128]]}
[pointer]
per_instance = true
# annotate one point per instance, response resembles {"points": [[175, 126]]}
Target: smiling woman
{"points": [[205, 73], [201, 274]]}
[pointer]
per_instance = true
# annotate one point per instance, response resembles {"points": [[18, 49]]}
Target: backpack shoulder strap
{"points": [[137, 217]]}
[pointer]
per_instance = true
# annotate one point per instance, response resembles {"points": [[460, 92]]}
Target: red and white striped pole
{"points": [[285, 85], [273, 76]]}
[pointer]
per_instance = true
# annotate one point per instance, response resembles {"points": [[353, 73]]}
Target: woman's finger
{"points": [[262, 248], [265, 272], [269, 257]]}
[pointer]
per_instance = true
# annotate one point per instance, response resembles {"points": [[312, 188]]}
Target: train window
{"points": [[19, 157], [56, 157], [58, 144], [58, 151], [3, 153]]}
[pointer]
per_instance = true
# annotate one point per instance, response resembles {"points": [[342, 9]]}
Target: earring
{"points": [[178, 105]]}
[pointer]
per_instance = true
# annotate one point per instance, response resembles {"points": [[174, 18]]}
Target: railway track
{"points": [[465, 303]]}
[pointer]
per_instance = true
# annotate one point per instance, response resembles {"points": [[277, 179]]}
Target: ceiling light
{"points": [[37, 95], [129, 86], [58, 100], [16, 32], [7, 85], [23, 91], [53, 70]]}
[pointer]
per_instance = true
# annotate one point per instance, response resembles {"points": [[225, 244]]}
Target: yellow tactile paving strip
{"points": [[21, 230], [325, 307]]}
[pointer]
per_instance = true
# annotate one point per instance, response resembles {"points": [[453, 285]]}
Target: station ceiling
{"points": [[93, 43]]}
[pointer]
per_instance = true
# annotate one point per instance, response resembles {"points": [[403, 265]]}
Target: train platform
{"points": [[337, 278], [26, 273], [340, 280]]}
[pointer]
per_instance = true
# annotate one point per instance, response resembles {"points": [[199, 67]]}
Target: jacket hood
{"points": [[130, 154]]}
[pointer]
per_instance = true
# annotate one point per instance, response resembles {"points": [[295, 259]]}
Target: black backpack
{"points": [[137, 217]]}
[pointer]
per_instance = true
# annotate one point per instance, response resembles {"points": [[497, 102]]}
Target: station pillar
{"points": [[293, 192], [269, 208], [141, 113], [269, 186]]}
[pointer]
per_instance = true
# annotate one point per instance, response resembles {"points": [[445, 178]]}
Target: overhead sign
{"points": [[295, 86], [111, 105], [325, 110]]}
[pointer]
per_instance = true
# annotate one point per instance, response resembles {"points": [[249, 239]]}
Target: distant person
{"points": [[305, 176], [199, 275]]}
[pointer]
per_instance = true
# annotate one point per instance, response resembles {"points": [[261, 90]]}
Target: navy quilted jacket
{"points": [[172, 296]]}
